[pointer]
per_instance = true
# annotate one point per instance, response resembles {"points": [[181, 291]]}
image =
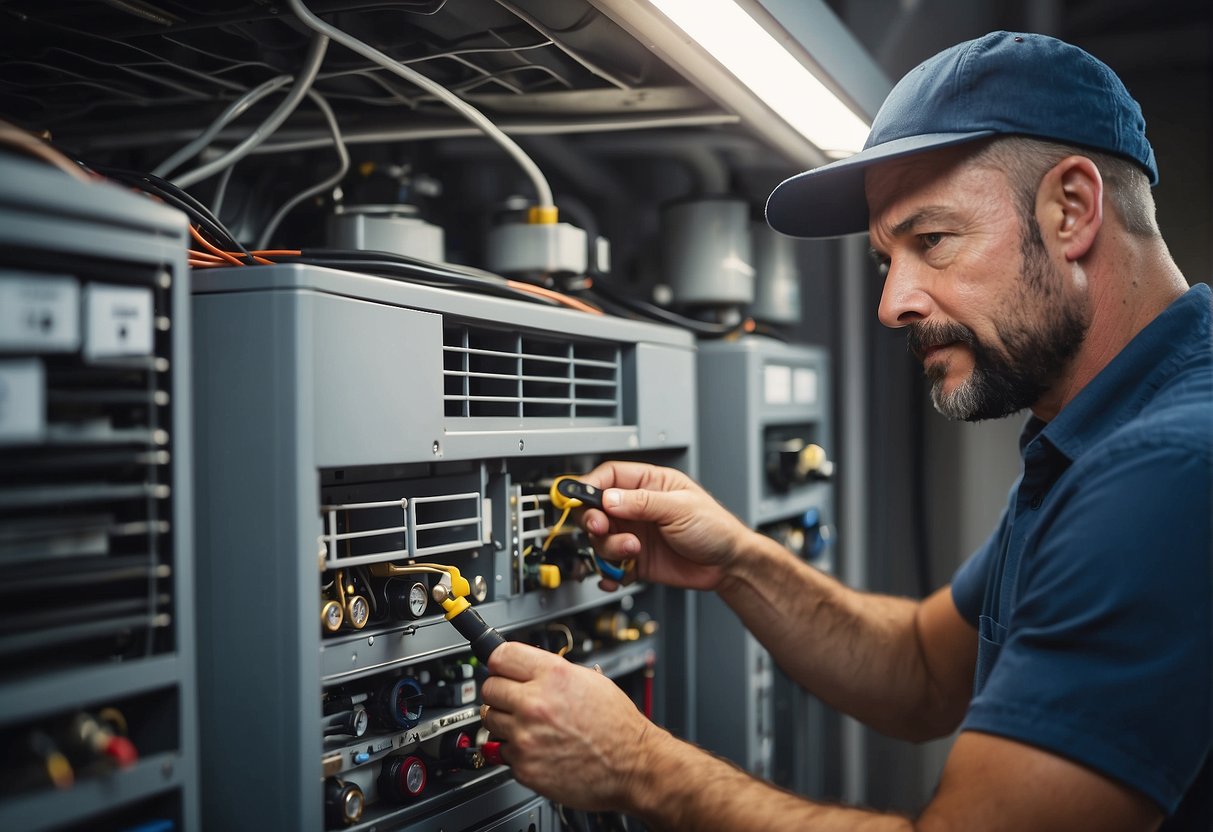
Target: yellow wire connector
{"points": [[543, 215]]}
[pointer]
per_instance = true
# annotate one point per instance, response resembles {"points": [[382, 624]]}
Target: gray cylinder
{"points": [[776, 277], [706, 252], [394, 228]]}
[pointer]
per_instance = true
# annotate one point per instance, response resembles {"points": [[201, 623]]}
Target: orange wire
{"points": [[214, 249], [278, 252], [541, 291]]}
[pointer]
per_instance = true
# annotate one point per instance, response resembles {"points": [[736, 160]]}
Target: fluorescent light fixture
{"points": [[747, 50]]}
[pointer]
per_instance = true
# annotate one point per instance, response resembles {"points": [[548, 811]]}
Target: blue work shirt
{"points": [[1092, 598]]}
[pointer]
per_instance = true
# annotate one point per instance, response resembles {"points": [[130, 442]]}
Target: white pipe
{"points": [[542, 189]]}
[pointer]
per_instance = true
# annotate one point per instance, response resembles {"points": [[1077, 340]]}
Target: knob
{"points": [[343, 802], [398, 704]]}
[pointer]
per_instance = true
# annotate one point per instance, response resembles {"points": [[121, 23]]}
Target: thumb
{"points": [[642, 504]]}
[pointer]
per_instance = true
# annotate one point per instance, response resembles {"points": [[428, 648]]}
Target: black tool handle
{"points": [[483, 638], [578, 490]]}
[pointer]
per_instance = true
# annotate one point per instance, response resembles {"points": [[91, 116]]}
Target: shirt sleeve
{"points": [[1107, 658], [971, 579]]}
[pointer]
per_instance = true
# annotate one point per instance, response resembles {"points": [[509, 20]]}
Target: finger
{"points": [[500, 725], [502, 694], [595, 521], [617, 547], [518, 661], [607, 585], [644, 504], [618, 474]]}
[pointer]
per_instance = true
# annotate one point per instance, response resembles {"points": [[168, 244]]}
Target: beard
{"points": [[1040, 332]]}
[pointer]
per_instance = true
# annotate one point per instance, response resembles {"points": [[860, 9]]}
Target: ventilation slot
{"points": [[416, 527], [86, 510], [490, 373]]}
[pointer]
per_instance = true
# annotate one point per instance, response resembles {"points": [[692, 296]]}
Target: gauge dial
{"points": [[358, 610], [419, 599]]}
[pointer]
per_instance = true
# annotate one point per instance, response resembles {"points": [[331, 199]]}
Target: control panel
{"points": [[365, 447]]}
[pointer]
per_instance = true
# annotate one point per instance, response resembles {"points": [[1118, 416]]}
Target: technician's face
{"points": [[987, 312]]}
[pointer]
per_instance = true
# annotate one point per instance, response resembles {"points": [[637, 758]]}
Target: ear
{"points": [[1069, 205]]}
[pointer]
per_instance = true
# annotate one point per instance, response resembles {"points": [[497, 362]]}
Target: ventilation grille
{"points": [[492, 373], [416, 527], [86, 540]]}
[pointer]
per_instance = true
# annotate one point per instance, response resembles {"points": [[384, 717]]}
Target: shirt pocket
{"points": [[991, 636]]}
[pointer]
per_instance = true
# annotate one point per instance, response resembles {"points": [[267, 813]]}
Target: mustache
{"points": [[924, 335]]}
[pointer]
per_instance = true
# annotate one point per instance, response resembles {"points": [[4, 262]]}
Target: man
{"points": [[1005, 189]]}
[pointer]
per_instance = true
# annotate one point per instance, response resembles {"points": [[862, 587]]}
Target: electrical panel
{"points": [[766, 441], [97, 708], [356, 438]]}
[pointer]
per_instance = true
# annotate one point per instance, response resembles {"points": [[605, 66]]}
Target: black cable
{"points": [[398, 271], [171, 194], [652, 311]]}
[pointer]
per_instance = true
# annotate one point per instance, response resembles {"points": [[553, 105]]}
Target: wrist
{"points": [[658, 759], [746, 557]]}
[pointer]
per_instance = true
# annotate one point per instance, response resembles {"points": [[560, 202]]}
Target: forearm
{"points": [[858, 652], [683, 787]]}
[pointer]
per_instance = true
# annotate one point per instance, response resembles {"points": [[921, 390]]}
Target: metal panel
{"points": [[326, 451], [753, 392], [98, 504]]}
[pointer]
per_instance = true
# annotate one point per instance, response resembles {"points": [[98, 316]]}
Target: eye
{"points": [[930, 239]]}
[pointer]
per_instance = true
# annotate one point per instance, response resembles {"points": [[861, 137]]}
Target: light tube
{"points": [[748, 51]]}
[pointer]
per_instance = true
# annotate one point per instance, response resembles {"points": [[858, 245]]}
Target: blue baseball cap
{"points": [[1005, 83]]}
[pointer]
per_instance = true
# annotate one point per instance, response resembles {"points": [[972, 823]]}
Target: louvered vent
{"points": [[85, 499], [417, 527], [494, 373]]}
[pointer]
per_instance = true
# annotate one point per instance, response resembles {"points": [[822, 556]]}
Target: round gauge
{"points": [[361, 721], [419, 599], [331, 616], [414, 777], [359, 611]]}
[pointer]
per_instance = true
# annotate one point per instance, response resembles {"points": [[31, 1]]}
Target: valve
{"points": [[796, 462], [343, 802], [88, 738]]}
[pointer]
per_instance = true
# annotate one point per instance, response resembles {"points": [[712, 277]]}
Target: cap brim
{"points": [[829, 201]]}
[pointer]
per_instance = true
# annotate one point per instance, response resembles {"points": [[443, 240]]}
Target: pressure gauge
{"points": [[414, 777], [358, 611], [331, 616], [419, 599], [402, 778], [360, 720]]}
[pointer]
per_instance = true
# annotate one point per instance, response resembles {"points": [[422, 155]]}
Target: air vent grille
{"points": [[417, 527], [85, 496], [495, 373]]}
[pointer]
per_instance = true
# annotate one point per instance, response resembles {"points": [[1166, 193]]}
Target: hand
{"points": [[569, 733], [661, 518]]}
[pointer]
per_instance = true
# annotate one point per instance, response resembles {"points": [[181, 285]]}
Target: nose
{"points": [[904, 299]]}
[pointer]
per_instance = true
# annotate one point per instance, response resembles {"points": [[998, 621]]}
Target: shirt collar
{"points": [[1123, 387]]}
